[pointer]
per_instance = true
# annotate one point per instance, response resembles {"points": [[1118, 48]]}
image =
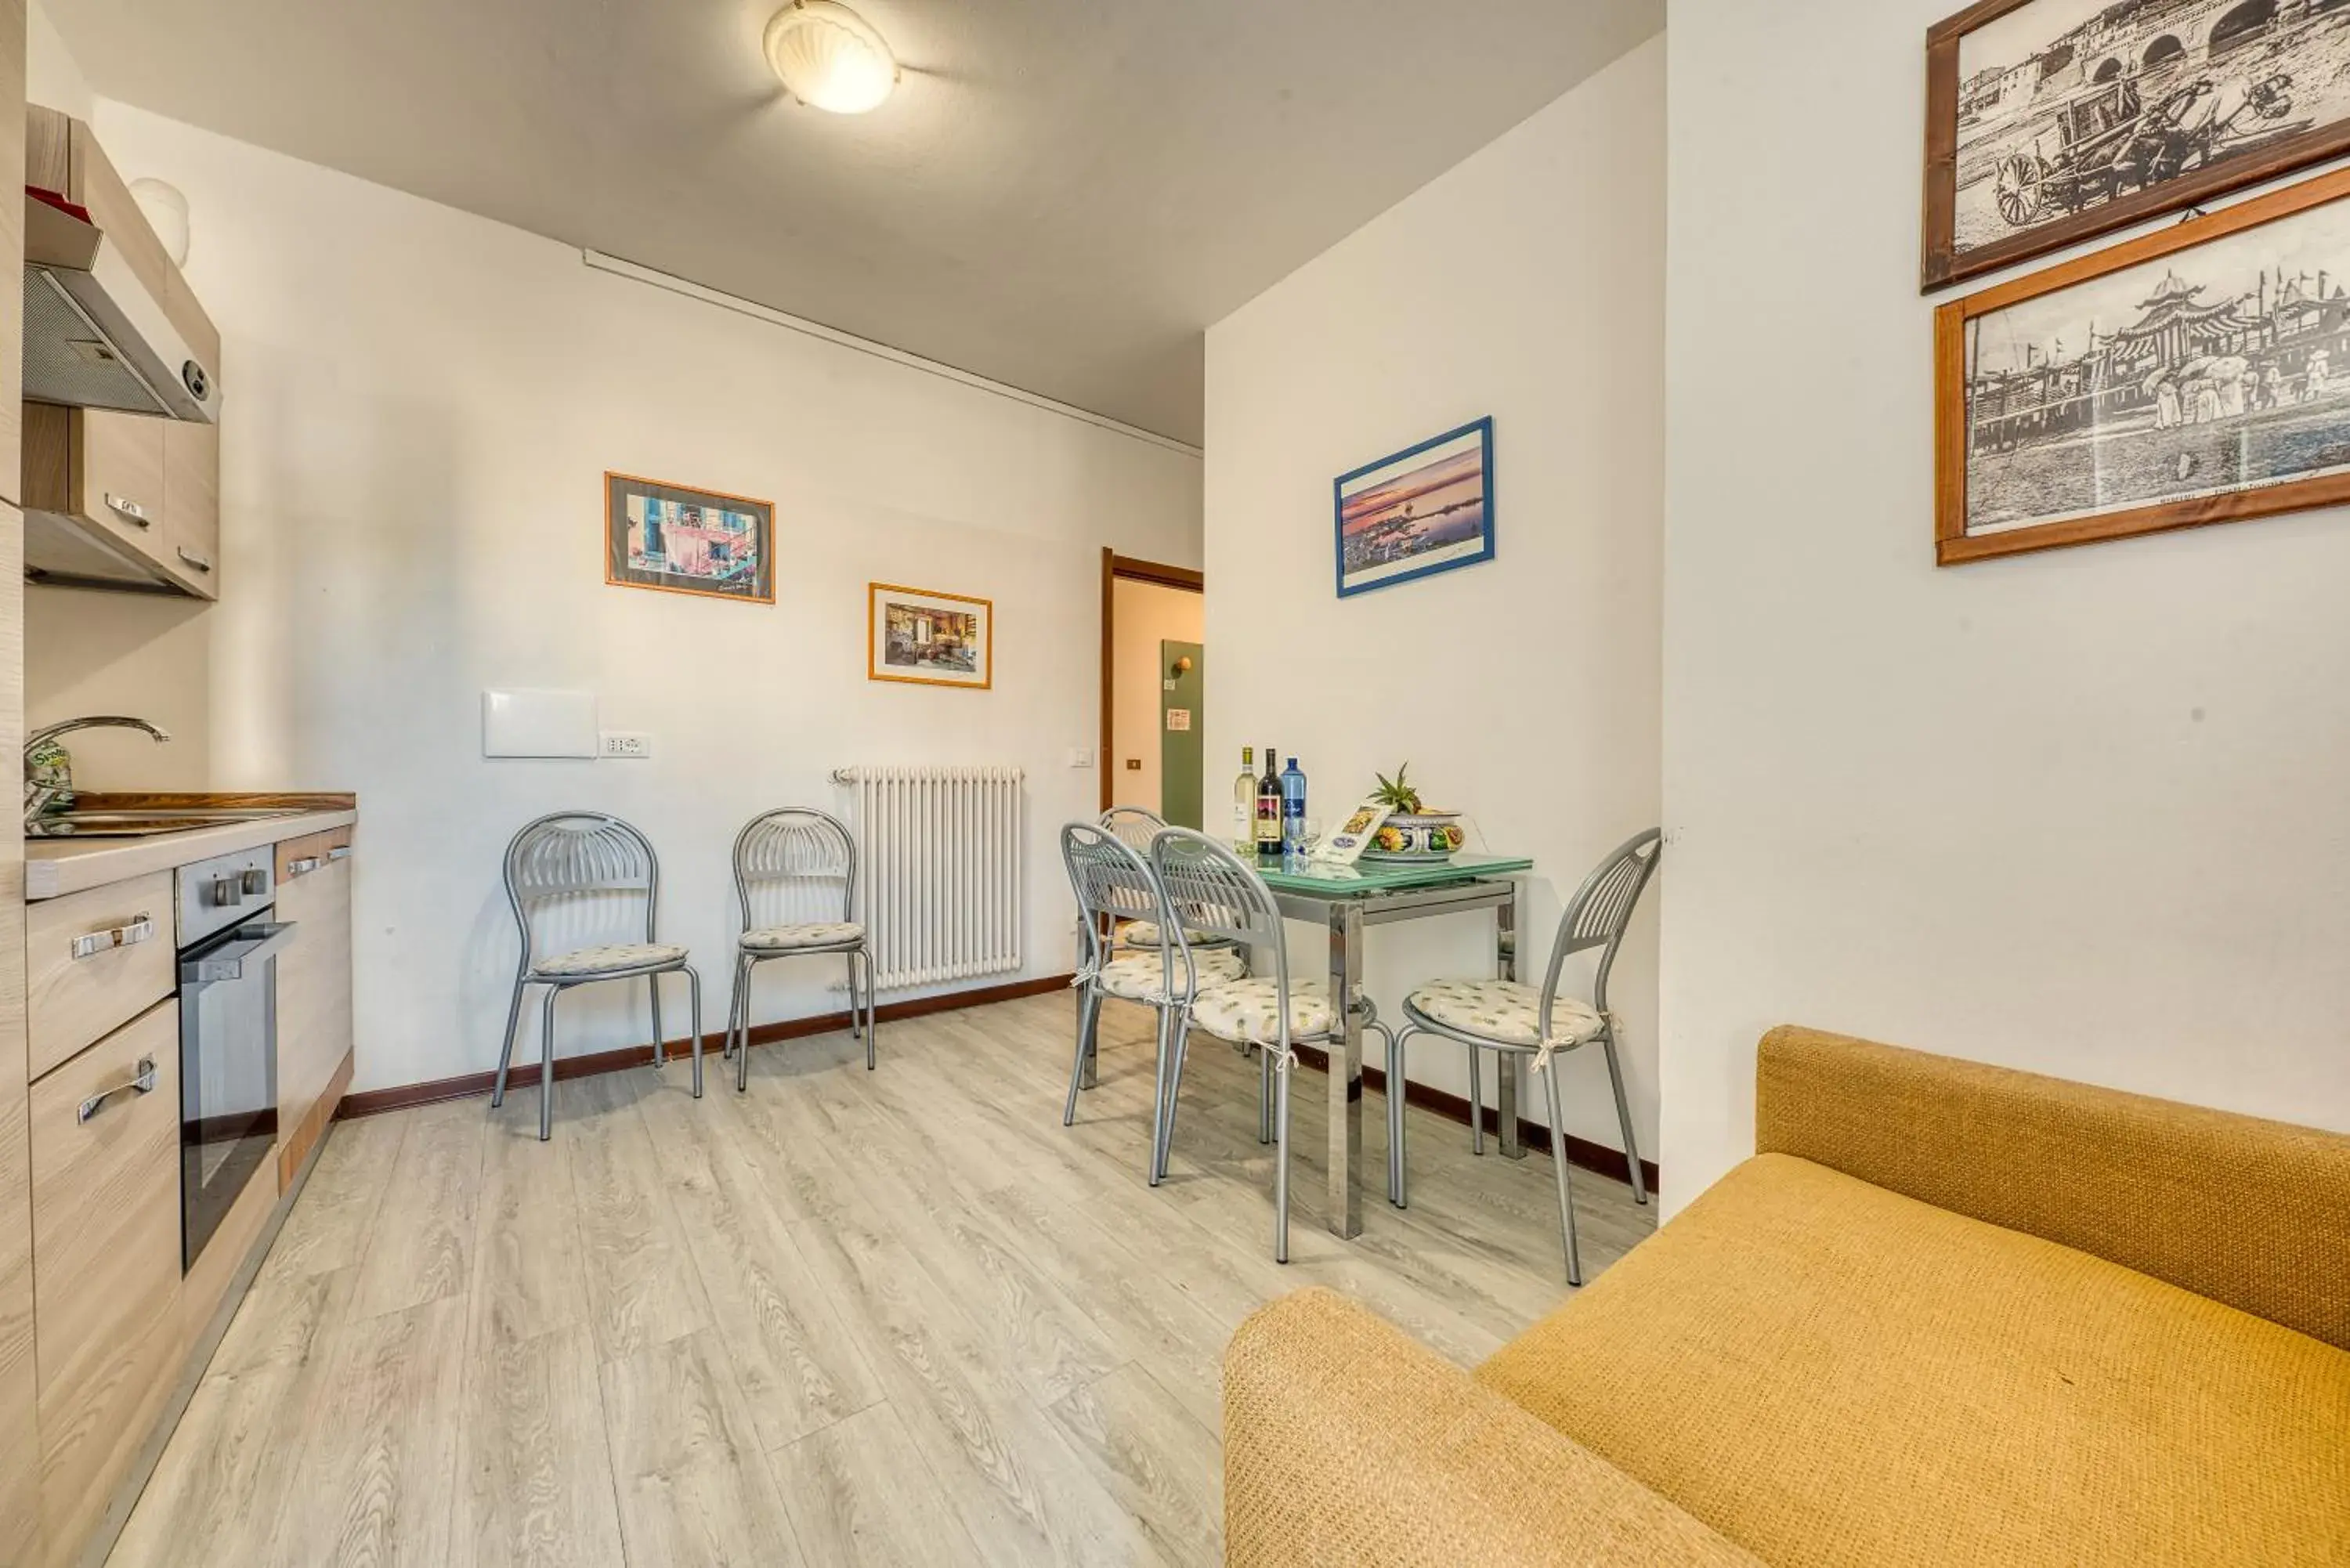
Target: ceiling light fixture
{"points": [[829, 57]]}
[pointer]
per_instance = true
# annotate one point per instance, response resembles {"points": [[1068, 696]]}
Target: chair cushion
{"points": [[1505, 1011], [1249, 1011], [614, 958], [813, 934], [1141, 977], [1837, 1376], [1145, 934]]}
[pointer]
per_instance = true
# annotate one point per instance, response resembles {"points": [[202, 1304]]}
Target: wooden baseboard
{"points": [[1593, 1157], [374, 1102]]}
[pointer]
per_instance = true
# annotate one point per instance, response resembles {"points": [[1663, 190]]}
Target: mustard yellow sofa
{"points": [[1949, 1314]]}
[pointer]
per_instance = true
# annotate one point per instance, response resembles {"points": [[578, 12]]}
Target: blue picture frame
{"points": [[1392, 535]]}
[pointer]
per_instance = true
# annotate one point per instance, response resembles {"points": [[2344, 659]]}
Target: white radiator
{"points": [[938, 870]]}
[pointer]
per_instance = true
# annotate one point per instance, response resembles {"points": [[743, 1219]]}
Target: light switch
{"points": [[534, 724]]}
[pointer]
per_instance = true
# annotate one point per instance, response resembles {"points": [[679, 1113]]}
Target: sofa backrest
{"points": [[2253, 1213]]}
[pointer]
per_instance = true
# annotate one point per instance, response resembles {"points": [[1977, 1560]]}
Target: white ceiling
{"points": [[1061, 195]]}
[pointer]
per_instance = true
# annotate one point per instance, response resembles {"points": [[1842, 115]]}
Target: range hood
{"points": [[94, 336]]}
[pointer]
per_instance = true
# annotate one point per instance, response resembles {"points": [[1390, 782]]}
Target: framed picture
{"points": [[1428, 508], [927, 637], [685, 541], [2049, 121], [2198, 375]]}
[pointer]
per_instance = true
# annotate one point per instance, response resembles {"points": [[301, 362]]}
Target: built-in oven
{"points": [[228, 1035]]}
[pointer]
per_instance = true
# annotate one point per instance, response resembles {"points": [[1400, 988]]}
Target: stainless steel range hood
{"points": [[94, 336]]}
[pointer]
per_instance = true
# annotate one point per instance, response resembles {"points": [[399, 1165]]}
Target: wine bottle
{"points": [[1268, 811], [1293, 809], [1243, 838]]}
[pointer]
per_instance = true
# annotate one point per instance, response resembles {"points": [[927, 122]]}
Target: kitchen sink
{"points": [[148, 823]]}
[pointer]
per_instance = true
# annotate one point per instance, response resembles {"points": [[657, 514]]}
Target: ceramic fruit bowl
{"points": [[1415, 837]]}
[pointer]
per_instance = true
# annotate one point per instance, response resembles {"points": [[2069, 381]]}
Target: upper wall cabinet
{"points": [[121, 469]]}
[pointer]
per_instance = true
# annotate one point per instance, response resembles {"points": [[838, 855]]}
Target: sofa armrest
{"points": [[1349, 1444]]}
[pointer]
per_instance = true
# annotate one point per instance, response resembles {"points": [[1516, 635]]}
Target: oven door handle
{"points": [[227, 962]]}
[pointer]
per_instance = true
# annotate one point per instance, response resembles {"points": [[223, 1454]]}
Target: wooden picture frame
{"points": [[2156, 412], [731, 558], [2122, 128], [922, 636], [1402, 518]]}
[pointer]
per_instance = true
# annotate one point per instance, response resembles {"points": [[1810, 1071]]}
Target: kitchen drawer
{"points": [[106, 1263], [94, 960], [312, 852]]}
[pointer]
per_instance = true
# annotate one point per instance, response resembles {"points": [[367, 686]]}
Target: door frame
{"points": [[1113, 567]]}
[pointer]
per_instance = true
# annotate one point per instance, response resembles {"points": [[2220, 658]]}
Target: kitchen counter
{"points": [[54, 867]]}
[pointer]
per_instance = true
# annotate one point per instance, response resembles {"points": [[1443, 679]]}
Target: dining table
{"points": [[1345, 899]]}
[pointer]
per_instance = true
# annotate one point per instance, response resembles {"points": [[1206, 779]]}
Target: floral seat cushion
{"points": [[612, 957], [812, 934], [1505, 1012], [1248, 1012], [1145, 934], [1141, 977]]}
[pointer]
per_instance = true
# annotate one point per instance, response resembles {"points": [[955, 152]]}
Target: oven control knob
{"points": [[228, 892], [257, 879]]}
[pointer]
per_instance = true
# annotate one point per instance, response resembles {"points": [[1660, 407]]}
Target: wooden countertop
{"points": [[56, 866]]}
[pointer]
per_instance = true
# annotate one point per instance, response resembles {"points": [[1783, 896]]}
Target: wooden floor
{"points": [[902, 1316]]}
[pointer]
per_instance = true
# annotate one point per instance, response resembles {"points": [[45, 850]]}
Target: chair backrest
{"points": [[1211, 892], [1600, 910], [1110, 879], [1134, 826], [576, 876], [795, 866]]}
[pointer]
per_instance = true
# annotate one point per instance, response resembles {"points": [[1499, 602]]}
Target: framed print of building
{"points": [[2198, 375]]}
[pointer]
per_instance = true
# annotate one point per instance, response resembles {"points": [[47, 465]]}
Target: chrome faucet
{"points": [[40, 797]]}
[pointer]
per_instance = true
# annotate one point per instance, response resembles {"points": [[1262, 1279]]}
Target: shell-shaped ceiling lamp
{"points": [[829, 57]]}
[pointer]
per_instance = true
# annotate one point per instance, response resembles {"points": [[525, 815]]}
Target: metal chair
{"points": [[574, 877], [1206, 888], [1113, 882], [796, 883], [1135, 828], [1504, 1016]]}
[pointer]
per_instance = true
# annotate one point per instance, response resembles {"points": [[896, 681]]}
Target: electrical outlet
{"points": [[632, 744]]}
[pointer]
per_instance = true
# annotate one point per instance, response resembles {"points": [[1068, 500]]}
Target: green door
{"points": [[1182, 766]]}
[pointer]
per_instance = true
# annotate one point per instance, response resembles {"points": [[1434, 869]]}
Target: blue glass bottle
{"points": [[1293, 810]]}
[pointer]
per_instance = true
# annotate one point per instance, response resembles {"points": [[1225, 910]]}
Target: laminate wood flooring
{"points": [[892, 1317]]}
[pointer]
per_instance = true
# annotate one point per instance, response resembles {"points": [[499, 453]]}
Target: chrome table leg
{"points": [[1344, 1213], [1509, 1066]]}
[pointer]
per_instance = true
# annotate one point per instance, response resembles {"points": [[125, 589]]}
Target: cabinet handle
{"points": [[339, 852], [192, 558], [301, 867], [90, 944], [129, 511], [142, 1083]]}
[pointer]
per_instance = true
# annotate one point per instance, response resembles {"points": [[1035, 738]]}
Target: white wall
{"points": [[1147, 613], [2086, 813], [421, 408], [1526, 284]]}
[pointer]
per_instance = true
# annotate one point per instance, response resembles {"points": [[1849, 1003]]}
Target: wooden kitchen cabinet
{"points": [[93, 961], [191, 502], [106, 1284], [314, 992], [122, 474], [147, 488]]}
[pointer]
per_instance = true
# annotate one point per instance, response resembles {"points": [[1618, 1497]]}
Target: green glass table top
{"points": [[1318, 879]]}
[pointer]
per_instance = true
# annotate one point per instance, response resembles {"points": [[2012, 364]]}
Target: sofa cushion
{"points": [[1829, 1373]]}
